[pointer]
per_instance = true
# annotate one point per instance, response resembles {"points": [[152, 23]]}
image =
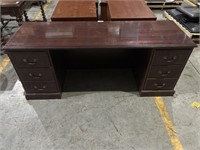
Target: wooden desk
{"points": [[17, 8], [129, 10], [157, 51], [75, 11]]}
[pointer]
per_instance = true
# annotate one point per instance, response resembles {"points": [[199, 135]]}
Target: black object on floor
{"points": [[190, 24]]}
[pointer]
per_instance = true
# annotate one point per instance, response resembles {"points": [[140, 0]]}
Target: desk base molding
{"points": [[36, 96], [157, 93]]}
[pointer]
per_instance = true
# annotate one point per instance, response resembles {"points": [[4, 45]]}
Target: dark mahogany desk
{"points": [[157, 51], [119, 10], [77, 10]]}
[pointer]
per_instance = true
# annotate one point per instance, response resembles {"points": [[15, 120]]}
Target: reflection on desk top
{"points": [[8, 3], [117, 34]]}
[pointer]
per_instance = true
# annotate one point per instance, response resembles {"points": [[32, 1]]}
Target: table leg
{"points": [[19, 19], [26, 16], [2, 38], [42, 11], [2, 21]]}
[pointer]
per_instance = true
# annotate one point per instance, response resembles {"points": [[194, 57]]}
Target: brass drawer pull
{"points": [[164, 74], [169, 60], [40, 89], [35, 76], [30, 62], [159, 86]]}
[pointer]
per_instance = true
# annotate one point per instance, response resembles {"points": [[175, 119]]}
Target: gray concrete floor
{"points": [[103, 120]]}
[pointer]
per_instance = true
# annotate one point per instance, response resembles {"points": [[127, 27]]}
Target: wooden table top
{"points": [[114, 34], [130, 10], [9, 3], [75, 11]]}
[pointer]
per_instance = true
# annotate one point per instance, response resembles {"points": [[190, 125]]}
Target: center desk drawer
{"points": [[43, 74], [40, 87], [29, 59], [160, 84], [171, 57]]}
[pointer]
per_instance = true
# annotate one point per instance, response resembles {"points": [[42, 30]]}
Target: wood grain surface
{"points": [[75, 10], [130, 10], [133, 34]]}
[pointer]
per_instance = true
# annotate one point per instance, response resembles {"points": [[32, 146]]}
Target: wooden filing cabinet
{"points": [[164, 70], [36, 73]]}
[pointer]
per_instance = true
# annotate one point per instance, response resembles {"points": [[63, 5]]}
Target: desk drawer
{"points": [[172, 71], [160, 84], [40, 87], [29, 59], [43, 74], [171, 57]]}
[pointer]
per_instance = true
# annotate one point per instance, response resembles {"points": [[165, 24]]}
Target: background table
{"points": [[18, 9], [129, 10], [75, 11]]}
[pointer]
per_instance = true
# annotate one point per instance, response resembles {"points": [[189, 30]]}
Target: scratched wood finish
{"points": [[129, 34], [75, 11], [130, 10]]}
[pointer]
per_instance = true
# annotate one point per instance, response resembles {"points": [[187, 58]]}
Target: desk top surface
{"points": [[67, 10], [10, 3], [129, 10], [115, 34]]}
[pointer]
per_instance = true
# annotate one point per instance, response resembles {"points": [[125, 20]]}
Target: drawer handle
{"points": [[40, 89], [159, 86], [35, 76], [164, 74], [30, 62], [169, 60]]}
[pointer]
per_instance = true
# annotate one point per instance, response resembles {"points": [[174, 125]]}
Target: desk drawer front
{"points": [[160, 84], [29, 59], [40, 87], [165, 71], [171, 57], [36, 74]]}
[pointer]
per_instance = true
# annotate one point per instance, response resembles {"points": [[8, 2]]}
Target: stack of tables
{"points": [[77, 10], [129, 10], [112, 10]]}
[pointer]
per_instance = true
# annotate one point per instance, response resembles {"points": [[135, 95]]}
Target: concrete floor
{"points": [[101, 120]]}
